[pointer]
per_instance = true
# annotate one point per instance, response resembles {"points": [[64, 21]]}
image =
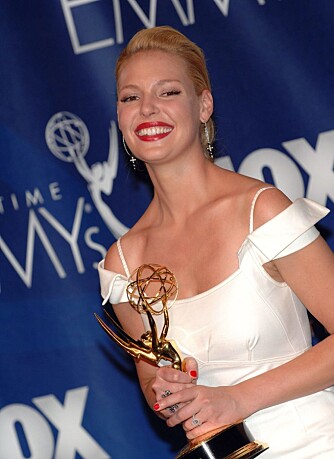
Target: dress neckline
{"points": [[209, 291]]}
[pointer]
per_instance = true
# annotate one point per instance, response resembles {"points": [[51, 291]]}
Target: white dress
{"points": [[250, 323]]}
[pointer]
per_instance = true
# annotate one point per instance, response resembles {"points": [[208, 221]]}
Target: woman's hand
{"points": [[202, 409], [168, 381]]}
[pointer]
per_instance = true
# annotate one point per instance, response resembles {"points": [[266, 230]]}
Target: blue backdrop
{"points": [[68, 191]]}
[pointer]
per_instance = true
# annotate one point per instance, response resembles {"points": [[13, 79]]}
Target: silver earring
{"points": [[133, 160], [209, 147]]}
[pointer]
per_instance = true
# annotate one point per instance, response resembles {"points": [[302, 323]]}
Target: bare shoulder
{"points": [[113, 261], [269, 202], [129, 247]]}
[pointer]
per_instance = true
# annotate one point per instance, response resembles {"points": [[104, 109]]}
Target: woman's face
{"points": [[159, 112]]}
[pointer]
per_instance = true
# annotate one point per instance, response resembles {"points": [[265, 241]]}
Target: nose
{"points": [[148, 105]]}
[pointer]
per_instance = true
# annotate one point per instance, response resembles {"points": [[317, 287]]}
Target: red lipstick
{"points": [[152, 131]]}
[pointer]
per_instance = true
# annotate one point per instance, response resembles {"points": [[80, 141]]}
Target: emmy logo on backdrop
{"points": [[152, 290], [67, 137]]}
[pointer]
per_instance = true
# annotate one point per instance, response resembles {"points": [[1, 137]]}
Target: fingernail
{"points": [[193, 373], [156, 406]]}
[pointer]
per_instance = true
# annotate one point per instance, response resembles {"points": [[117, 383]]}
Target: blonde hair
{"points": [[170, 40]]}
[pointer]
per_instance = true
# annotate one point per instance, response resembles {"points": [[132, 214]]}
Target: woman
{"points": [[246, 260]]}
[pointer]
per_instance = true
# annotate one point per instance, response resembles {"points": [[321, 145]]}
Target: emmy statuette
{"points": [[152, 290]]}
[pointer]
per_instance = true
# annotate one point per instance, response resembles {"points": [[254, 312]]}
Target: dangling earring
{"points": [[133, 160], [209, 147]]}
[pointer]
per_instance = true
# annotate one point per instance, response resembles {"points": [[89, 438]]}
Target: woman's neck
{"points": [[180, 190]]}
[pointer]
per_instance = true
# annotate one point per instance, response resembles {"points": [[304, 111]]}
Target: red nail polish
{"points": [[156, 406], [193, 373]]}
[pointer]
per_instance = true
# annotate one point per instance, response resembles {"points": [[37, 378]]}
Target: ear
{"points": [[206, 105]]}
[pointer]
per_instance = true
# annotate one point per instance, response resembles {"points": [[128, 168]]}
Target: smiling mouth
{"points": [[150, 133], [153, 131]]}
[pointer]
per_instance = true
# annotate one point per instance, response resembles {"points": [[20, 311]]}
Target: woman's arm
{"points": [[310, 273], [154, 381]]}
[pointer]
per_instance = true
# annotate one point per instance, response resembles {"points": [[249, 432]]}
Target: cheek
{"points": [[121, 120], [126, 117], [119, 114]]}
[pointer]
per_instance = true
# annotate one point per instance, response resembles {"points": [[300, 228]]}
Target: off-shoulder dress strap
{"points": [[290, 230], [121, 256], [251, 216]]}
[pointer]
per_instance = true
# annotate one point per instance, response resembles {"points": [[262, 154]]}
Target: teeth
{"points": [[154, 131]]}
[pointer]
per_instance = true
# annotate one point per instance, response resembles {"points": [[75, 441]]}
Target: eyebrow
{"points": [[157, 83]]}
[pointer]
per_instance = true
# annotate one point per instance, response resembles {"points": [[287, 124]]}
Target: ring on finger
{"points": [[172, 409], [195, 421], [166, 393]]}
